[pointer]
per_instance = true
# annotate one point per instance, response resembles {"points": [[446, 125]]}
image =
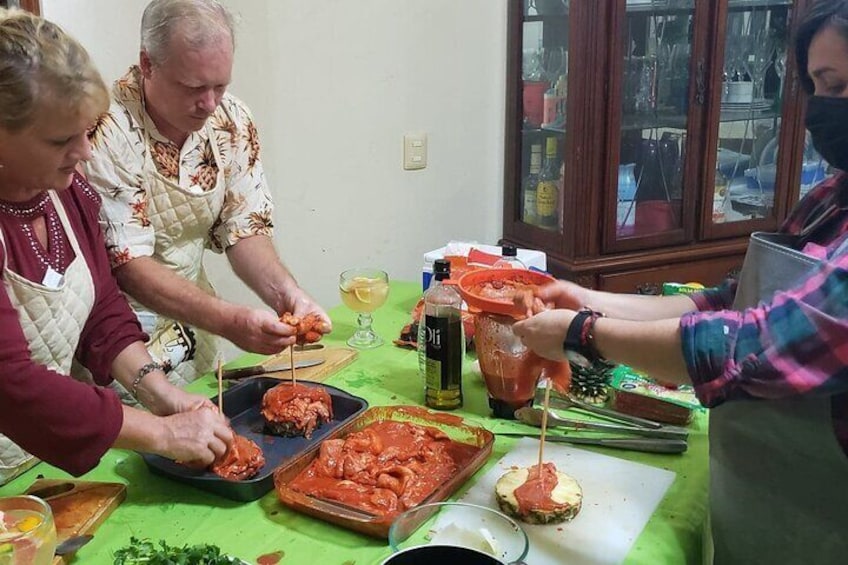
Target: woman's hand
{"points": [[544, 332], [563, 294], [197, 437]]}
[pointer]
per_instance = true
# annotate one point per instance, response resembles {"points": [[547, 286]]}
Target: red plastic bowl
{"points": [[470, 283]]}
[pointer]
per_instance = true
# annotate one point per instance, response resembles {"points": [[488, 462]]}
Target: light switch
{"points": [[414, 151]]}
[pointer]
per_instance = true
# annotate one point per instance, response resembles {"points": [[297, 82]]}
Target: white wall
{"points": [[334, 85]]}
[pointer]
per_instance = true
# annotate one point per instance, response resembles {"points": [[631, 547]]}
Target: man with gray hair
{"points": [[176, 161]]}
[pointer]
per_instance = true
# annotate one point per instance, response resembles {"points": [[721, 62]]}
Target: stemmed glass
{"points": [[363, 290], [762, 51], [780, 68]]}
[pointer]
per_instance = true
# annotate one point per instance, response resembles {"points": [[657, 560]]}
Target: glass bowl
{"points": [[27, 532], [458, 524]]}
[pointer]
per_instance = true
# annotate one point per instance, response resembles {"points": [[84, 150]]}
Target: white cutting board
{"points": [[619, 498]]}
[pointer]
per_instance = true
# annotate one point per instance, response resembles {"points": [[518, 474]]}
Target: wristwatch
{"points": [[578, 345]]}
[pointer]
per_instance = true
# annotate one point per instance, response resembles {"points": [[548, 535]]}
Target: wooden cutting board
{"points": [[79, 507], [334, 358]]}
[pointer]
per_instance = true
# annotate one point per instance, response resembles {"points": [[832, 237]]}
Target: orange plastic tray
{"points": [[470, 282], [359, 520]]}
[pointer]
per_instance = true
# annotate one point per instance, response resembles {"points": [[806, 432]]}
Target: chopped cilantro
{"points": [[144, 551]]}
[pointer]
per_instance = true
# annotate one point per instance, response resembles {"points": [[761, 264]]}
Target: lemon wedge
{"points": [[363, 294], [29, 523]]}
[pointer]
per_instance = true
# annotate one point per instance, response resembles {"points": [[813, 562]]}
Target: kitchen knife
{"points": [[649, 445], [254, 370]]}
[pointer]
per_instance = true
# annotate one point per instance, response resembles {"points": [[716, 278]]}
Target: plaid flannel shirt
{"points": [[796, 343]]}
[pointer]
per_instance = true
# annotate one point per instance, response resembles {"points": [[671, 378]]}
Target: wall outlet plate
{"points": [[414, 151]]}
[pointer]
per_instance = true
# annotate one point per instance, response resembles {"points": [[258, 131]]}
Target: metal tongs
{"points": [[533, 416], [567, 402]]}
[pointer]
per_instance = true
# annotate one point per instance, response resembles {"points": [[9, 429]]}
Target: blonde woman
{"points": [[58, 300]]}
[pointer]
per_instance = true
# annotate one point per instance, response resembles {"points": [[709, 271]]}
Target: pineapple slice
{"points": [[567, 497]]}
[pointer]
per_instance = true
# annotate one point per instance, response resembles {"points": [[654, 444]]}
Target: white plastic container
{"points": [[530, 257]]}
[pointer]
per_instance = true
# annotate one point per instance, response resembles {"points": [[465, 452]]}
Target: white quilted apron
{"points": [[52, 320], [182, 220]]}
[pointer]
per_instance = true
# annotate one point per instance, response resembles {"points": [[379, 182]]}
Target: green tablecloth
{"points": [[158, 508]]}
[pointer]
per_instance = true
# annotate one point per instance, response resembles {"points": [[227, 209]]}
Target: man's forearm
{"points": [[256, 262], [157, 287]]}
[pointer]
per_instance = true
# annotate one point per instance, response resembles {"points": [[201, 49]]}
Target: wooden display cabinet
{"points": [[668, 116], [31, 5]]}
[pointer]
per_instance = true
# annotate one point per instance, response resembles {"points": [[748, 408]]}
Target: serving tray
{"points": [[360, 520], [242, 404]]}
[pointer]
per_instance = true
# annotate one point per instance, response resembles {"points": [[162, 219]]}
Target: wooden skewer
{"points": [[220, 386], [291, 352], [544, 424]]}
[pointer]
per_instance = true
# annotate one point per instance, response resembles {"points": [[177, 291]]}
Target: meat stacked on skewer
{"points": [[242, 460], [310, 328], [293, 409]]}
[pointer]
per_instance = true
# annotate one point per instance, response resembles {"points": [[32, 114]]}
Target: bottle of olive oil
{"points": [[547, 190], [441, 343]]}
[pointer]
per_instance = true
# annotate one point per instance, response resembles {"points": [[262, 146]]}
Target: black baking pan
{"points": [[241, 405]]}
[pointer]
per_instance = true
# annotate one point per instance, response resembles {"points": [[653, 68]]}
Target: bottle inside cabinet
{"points": [[549, 187], [529, 185]]}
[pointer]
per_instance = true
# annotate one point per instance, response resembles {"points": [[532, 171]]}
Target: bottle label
{"points": [[443, 353], [546, 199], [529, 216]]}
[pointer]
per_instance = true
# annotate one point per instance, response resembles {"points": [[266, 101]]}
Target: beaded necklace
{"points": [[52, 224]]}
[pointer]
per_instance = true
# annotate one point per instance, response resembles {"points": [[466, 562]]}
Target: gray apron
{"points": [[778, 476]]}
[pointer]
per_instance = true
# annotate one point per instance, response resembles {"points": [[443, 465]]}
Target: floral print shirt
{"points": [[120, 145]]}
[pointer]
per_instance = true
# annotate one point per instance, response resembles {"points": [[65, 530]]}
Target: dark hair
{"points": [[822, 14]]}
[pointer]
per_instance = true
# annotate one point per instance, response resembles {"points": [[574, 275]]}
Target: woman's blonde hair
{"points": [[40, 63]]}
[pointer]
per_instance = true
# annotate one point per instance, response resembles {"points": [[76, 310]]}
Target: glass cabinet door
{"points": [[757, 43], [544, 90], [657, 50]]}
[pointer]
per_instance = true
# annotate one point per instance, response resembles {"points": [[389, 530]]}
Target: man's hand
{"points": [[302, 304], [259, 331]]}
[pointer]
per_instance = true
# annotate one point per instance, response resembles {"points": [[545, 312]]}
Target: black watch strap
{"points": [[577, 344]]}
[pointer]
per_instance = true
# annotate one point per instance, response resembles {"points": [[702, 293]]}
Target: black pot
{"points": [[429, 554]]}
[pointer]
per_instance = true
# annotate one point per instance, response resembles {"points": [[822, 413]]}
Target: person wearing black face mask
{"points": [[767, 352]]}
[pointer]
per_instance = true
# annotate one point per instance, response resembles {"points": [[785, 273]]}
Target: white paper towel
{"points": [[619, 498]]}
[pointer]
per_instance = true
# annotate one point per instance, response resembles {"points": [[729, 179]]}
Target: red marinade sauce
{"points": [[385, 468], [535, 493]]}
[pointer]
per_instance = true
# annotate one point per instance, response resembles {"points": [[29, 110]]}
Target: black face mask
{"points": [[827, 120]]}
